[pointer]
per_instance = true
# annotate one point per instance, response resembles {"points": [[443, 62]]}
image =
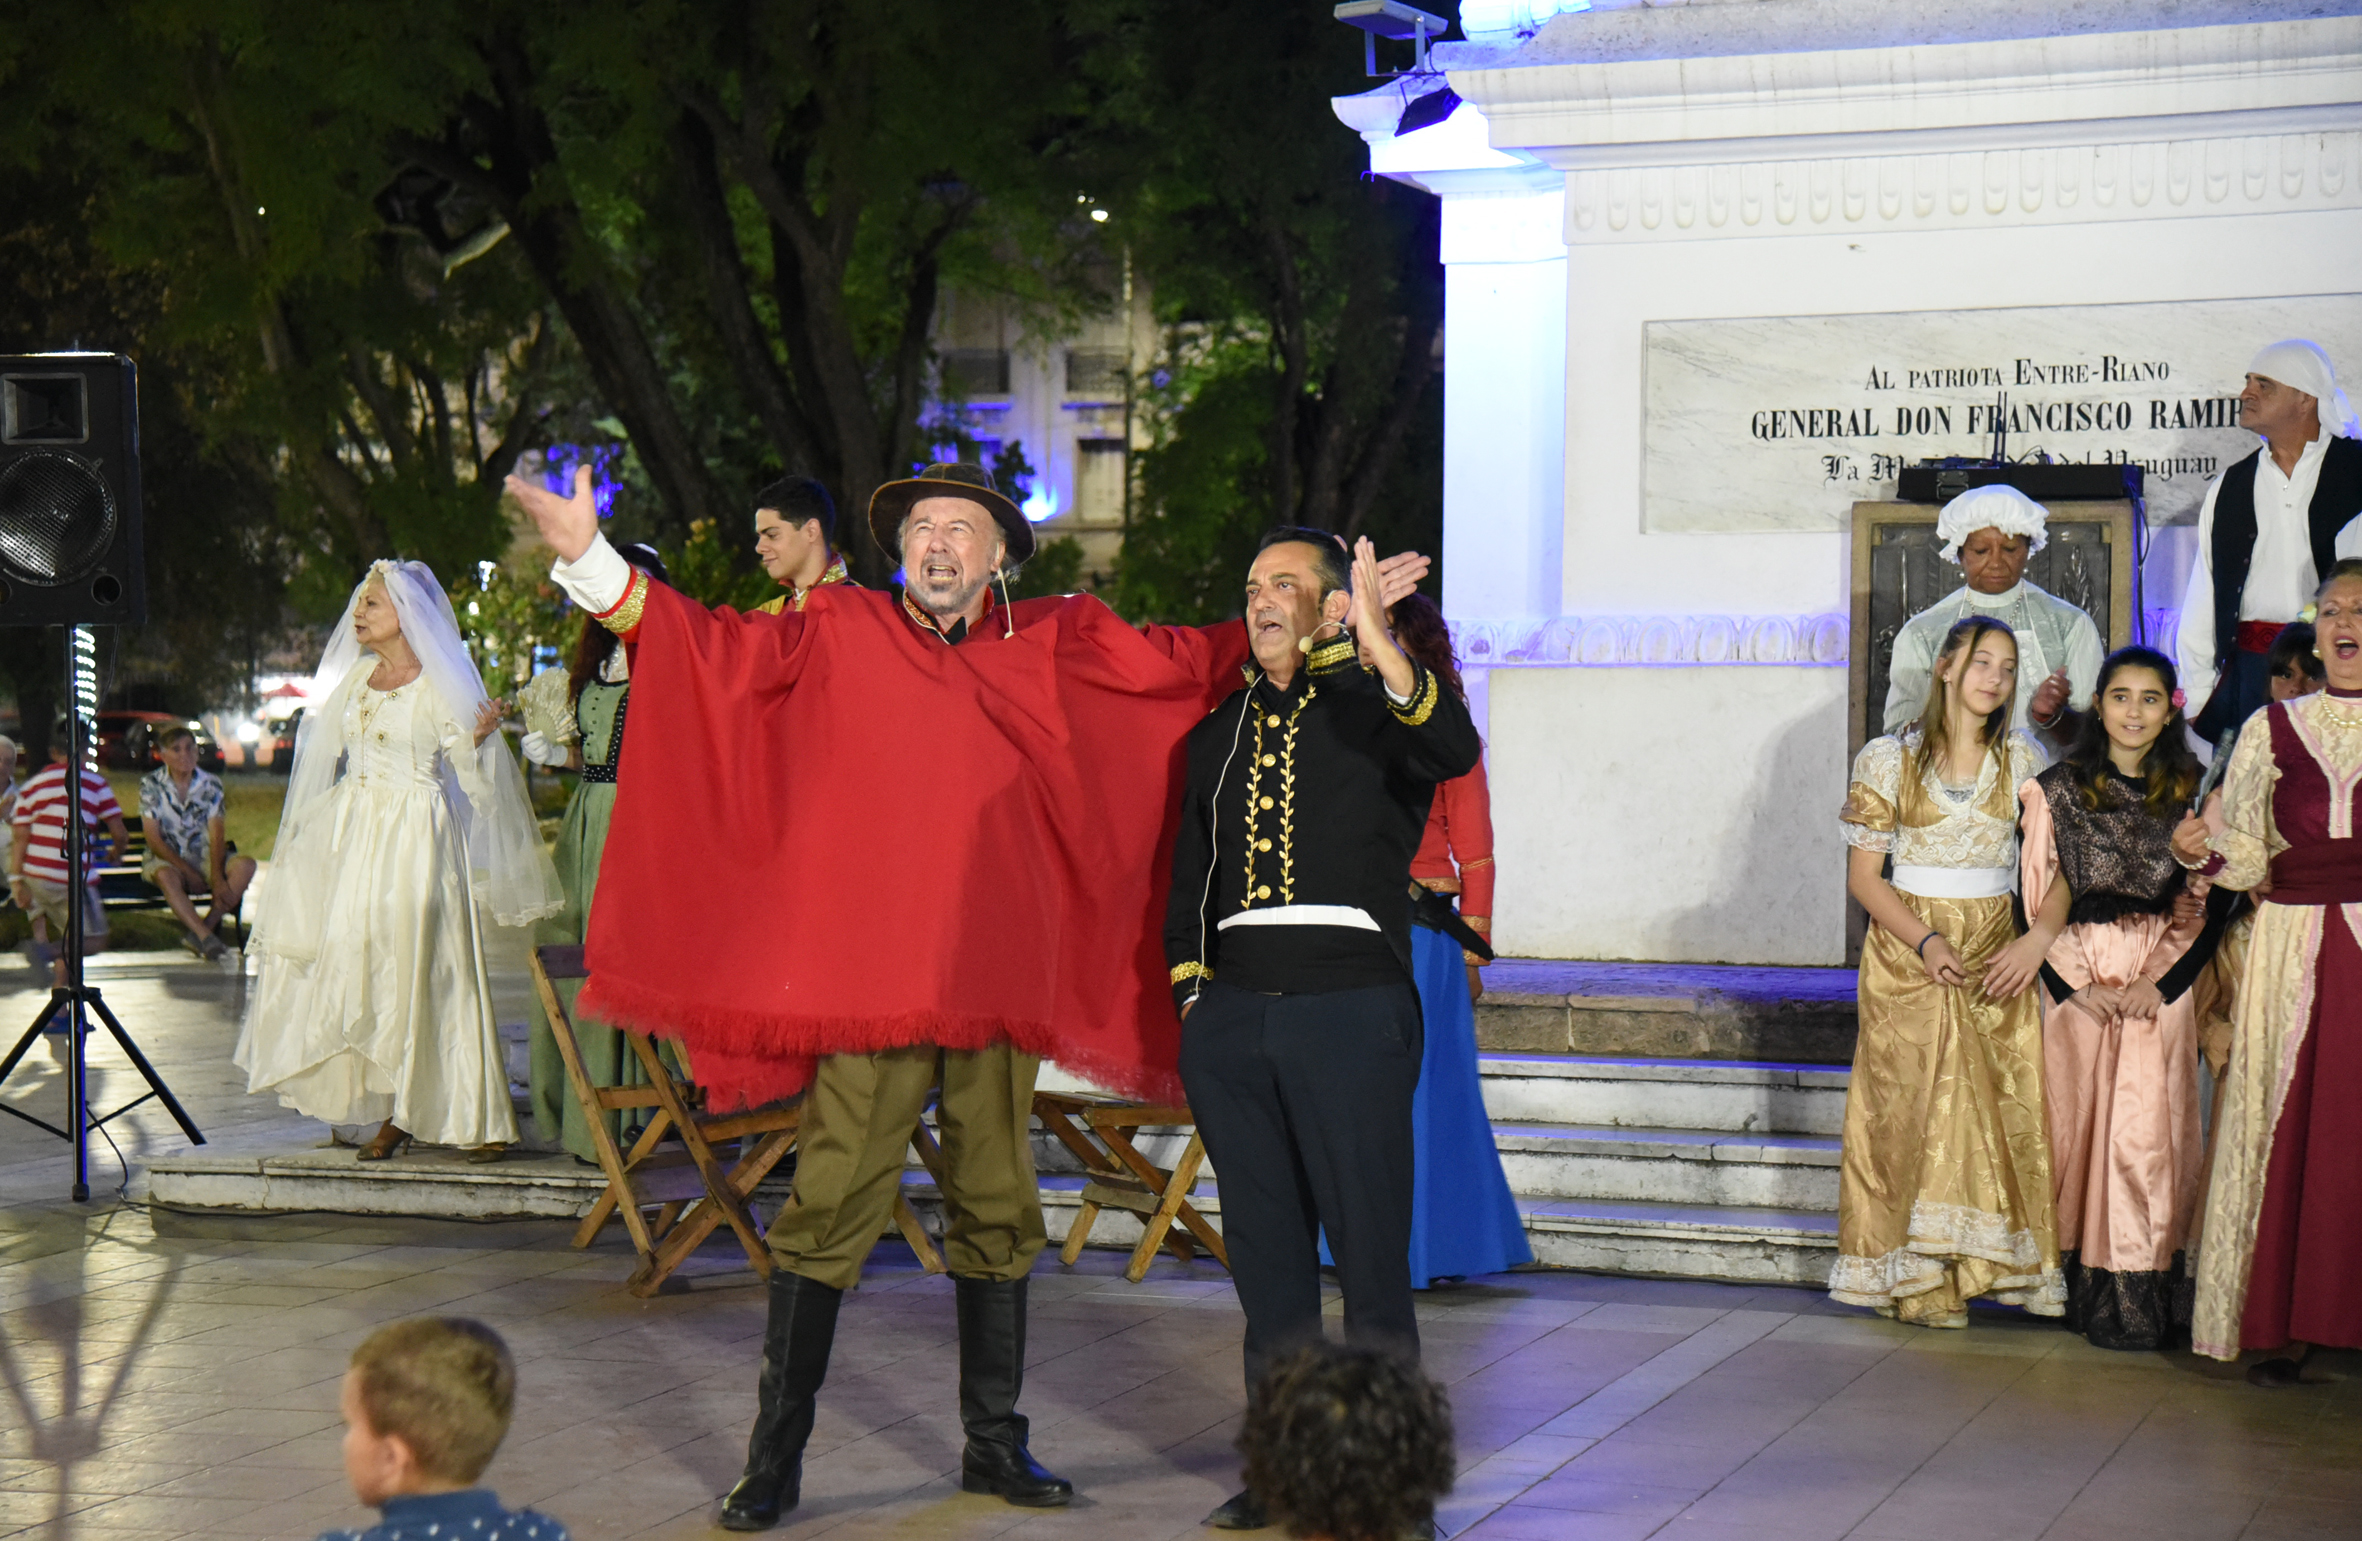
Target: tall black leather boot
{"points": [[796, 1341], [992, 1372]]}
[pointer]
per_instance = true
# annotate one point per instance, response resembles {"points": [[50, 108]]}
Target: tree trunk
{"points": [[708, 208], [527, 185]]}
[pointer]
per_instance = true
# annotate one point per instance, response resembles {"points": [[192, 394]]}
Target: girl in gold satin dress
{"points": [[1945, 1191]]}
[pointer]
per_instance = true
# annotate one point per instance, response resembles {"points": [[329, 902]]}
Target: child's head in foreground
{"points": [[1348, 1444], [425, 1405]]}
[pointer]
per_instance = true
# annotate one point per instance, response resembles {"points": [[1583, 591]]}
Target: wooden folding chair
{"points": [[1099, 1131], [690, 1190]]}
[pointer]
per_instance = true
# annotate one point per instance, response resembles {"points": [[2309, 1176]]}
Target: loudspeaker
{"points": [[69, 491]]}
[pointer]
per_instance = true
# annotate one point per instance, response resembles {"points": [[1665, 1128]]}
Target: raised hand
{"points": [[1368, 620], [488, 718], [568, 524], [1399, 575]]}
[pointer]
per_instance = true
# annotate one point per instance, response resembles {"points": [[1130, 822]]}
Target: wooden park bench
{"points": [[123, 884]]}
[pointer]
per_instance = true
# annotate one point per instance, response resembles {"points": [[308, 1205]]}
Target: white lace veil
{"points": [[510, 869]]}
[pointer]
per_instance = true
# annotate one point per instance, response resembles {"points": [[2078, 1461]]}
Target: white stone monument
{"points": [[1714, 270]]}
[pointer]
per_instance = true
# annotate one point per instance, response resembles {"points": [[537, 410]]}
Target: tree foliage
{"points": [[373, 257], [1302, 300]]}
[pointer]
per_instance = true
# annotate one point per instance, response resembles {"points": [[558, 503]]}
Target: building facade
{"points": [[1715, 271]]}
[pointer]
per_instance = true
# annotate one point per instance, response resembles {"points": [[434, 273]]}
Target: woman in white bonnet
{"points": [[406, 832], [1991, 532], [2272, 525]]}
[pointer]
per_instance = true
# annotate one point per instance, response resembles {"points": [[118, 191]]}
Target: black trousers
{"points": [[1304, 1102]]}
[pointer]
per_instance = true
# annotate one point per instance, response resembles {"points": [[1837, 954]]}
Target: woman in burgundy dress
{"points": [[2280, 1264]]}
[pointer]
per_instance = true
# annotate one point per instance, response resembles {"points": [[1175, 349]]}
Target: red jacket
{"points": [[1456, 853], [833, 833]]}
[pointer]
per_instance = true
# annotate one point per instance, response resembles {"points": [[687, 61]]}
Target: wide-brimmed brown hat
{"points": [[945, 479]]}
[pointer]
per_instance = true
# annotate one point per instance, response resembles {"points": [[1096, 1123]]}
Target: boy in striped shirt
{"points": [[37, 876]]}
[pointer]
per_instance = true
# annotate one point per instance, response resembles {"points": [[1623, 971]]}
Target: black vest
{"points": [[2337, 498]]}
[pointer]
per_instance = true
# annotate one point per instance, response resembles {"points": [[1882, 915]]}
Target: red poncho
{"points": [[834, 834]]}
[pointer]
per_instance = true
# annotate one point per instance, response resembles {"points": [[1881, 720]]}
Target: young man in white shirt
{"points": [[180, 809]]}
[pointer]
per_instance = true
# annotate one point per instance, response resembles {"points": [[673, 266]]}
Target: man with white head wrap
{"points": [[1991, 531], [2270, 526]]}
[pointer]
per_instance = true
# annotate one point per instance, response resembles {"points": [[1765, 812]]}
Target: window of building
{"points": [[1095, 372], [972, 372], [1099, 469]]}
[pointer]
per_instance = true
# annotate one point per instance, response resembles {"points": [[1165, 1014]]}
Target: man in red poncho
{"points": [[1019, 766]]}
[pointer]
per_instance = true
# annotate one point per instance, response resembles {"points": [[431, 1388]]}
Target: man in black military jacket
{"points": [[1288, 932]]}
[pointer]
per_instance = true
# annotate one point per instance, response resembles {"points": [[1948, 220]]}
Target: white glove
{"points": [[541, 751]]}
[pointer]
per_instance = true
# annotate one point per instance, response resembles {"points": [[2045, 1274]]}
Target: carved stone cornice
{"points": [[1973, 189], [2101, 87], [1625, 641]]}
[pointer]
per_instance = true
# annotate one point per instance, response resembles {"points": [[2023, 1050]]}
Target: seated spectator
{"points": [[1348, 1444], [426, 1403], [189, 856], [37, 876]]}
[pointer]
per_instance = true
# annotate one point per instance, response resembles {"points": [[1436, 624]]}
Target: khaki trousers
{"points": [[855, 1138]]}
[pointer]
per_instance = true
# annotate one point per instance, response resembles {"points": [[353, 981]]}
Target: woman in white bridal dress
{"points": [[406, 831]]}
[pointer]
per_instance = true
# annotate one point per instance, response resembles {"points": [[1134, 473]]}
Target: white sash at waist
{"points": [[1956, 882], [1303, 915]]}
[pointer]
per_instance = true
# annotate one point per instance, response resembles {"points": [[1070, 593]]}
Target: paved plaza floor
{"points": [[173, 1375]]}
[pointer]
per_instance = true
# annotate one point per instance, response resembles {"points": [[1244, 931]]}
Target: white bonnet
{"points": [[1994, 506]]}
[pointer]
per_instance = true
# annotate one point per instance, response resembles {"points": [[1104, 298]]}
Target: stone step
{"points": [[1755, 1245], [1719, 1241], [1606, 1161], [424, 1181], [1743, 1096], [1668, 1010], [1671, 1166], [1758, 1245]]}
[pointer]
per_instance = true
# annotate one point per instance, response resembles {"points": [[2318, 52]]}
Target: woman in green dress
{"points": [[588, 739]]}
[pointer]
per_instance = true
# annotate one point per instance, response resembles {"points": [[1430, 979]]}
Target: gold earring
{"points": [[2316, 652]]}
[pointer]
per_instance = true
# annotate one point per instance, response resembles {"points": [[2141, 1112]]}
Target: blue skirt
{"points": [[1463, 1221]]}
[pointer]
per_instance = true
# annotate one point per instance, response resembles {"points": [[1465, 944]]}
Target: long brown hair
{"points": [[1419, 630], [596, 644], [2169, 770], [1935, 733]]}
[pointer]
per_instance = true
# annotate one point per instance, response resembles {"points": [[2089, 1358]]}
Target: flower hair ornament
{"points": [[2177, 700]]}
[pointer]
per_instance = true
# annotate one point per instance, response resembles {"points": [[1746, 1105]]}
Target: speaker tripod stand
{"points": [[76, 1000]]}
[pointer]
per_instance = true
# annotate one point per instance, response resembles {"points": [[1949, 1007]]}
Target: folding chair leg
{"points": [[604, 1208], [1176, 1194], [586, 1095], [730, 1206], [1078, 1234], [907, 1220]]}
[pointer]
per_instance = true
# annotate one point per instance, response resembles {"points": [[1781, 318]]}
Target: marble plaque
{"points": [[1785, 422]]}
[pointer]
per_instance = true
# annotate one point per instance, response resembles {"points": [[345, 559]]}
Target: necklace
{"points": [[365, 710]]}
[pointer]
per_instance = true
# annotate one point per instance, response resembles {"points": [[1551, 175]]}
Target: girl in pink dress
{"points": [[2120, 1032]]}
